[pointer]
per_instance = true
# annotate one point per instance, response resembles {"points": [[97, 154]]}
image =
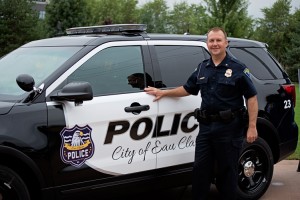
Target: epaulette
{"points": [[206, 62]]}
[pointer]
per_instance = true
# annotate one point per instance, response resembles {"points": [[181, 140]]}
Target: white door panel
{"points": [[120, 153], [179, 146]]}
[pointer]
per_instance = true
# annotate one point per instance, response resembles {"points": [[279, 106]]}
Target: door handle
{"points": [[136, 108]]}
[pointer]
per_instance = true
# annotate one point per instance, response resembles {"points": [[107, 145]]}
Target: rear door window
{"points": [[259, 62], [176, 63]]}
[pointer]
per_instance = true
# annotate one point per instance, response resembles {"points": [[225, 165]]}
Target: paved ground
{"points": [[285, 185]]}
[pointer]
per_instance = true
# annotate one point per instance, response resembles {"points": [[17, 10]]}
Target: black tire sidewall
{"points": [[262, 146], [16, 183]]}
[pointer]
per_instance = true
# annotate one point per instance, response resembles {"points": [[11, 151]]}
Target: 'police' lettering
{"points": [[135, 127], [184, 124], [78, 154], [157, 129], [120, 127], [159, 121], [112, 130]]}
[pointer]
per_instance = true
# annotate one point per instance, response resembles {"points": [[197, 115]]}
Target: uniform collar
{"points": [[224, 63]]}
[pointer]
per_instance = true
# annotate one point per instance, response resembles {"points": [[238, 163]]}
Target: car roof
{"points": [[95, 40], [233, 42], [97, 35]]}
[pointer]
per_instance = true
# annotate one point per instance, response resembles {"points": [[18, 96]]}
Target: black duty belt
{"points": [[205, 116]]}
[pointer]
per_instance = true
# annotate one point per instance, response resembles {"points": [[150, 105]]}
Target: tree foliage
{"points": [[114, 11], [232, 15], [186, 18], [293, 50], [155, 15], [273, 28], [17, 24], [63, 14]]}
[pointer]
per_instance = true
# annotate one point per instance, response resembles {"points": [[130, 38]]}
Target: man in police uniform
{"points": [[223, 82]]}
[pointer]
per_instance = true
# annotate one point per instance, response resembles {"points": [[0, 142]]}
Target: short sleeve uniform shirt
{"points": [[222, 87]]}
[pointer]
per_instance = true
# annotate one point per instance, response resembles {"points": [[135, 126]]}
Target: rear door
{"points": [[176, 128]]}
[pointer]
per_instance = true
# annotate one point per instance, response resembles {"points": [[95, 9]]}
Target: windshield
{"points": [[38, 62]]}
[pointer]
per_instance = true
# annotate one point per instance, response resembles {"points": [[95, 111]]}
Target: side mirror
{"points": [[75, 91], [25, 82]]}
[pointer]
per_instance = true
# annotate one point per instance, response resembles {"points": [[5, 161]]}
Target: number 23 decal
{"points": [[287, 104]]}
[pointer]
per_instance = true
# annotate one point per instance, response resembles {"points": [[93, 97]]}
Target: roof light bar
{"points": [[107, 29]]}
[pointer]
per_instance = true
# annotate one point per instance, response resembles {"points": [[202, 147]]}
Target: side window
{"points": [[113, 70], [259, 62], [177, 63]]}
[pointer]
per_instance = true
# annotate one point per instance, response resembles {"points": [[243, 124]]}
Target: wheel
{"points": [[12, 187], [255, 170]]}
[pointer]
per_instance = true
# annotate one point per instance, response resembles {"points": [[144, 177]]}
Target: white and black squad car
{"points": [[76, 122]]}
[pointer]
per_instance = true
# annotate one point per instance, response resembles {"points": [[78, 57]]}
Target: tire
{"points": [[255, 170], [12, 187]]}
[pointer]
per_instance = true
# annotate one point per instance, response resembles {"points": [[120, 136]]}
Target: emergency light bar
{"points": [[107, 29]]}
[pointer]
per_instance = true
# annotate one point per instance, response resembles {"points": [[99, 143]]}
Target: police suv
{"points": [[75, 121]]}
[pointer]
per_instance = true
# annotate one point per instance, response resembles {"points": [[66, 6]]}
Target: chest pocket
{"points": [[226, 87], [202, 83]]}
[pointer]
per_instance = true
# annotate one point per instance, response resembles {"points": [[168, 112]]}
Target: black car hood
{"points": [[5, 107]]}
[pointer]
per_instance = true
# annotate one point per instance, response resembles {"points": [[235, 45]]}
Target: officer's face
{"points": [[217, 43]]}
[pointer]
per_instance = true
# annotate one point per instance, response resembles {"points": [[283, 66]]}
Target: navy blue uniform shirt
{"points": [[221, 87]]}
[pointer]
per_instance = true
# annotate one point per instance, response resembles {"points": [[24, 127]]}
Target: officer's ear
{"points": [[227, 43]]}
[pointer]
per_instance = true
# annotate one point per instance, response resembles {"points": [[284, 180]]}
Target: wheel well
{"points": [[270, 136], [25, 172]]}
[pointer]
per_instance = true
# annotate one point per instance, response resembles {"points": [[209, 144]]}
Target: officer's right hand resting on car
{"points": [[224, 82]]}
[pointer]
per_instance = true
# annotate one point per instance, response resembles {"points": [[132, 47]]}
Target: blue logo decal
{"points": [[77, 145], [247, 72]]}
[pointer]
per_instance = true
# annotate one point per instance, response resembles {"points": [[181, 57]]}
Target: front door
{"points": [[112, 133]]}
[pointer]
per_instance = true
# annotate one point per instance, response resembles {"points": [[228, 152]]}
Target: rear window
{"points": [[259, 62]]}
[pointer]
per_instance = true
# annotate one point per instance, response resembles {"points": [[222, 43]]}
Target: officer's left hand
{"points": [[251, 134]]}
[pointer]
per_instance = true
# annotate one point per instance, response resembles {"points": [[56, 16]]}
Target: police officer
{"points": [[223, 82]]}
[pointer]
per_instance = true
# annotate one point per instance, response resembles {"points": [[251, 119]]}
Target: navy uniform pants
{"points": [[217, 143]]}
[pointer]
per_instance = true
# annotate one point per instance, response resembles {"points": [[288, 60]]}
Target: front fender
{"points": [[9, 154]]}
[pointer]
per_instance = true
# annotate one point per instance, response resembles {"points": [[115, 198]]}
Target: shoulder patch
{"points": [[247, 72]]}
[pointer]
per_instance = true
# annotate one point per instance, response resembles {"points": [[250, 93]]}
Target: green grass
{"points": [[296, 155]]}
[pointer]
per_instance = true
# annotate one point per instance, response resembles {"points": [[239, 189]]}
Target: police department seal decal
{"points": [[77, 145]]}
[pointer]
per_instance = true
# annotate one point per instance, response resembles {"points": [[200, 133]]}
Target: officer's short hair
{"points": [[214, 29]]}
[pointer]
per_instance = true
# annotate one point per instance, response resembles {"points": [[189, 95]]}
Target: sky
{"points": [[254, 8]]}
